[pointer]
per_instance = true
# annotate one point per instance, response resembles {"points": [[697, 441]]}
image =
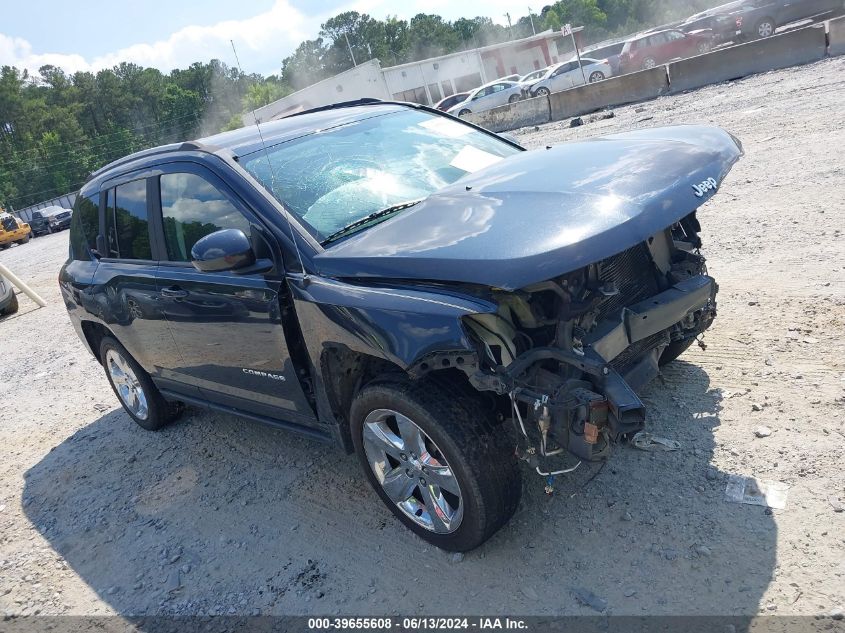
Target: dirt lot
{"points": [[215, 515]]}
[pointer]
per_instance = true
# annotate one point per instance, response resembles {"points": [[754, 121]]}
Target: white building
{"points": [[426, 81], [365, 80]]}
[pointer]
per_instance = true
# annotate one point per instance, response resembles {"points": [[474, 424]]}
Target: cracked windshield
{"points": [[336, 177]]}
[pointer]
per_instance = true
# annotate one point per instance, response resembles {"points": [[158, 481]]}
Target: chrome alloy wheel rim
{"points": [[765, 29], [412, 471], [127, 384]]}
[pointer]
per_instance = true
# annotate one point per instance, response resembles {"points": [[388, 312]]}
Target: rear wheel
{"points": [[649, 62], [765, 28], [135, 389], [436, 461], [704, 48], [25, 239], [513, 98], [464, 112], [596, 76]]}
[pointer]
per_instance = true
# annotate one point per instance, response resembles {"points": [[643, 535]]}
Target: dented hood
{"points": [[542, 213]]}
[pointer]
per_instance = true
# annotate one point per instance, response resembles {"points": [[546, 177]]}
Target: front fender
{"points": [[402, 326]]}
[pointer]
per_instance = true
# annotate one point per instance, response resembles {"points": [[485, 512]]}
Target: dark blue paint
{"points": [[393, 291], [543, 213]]}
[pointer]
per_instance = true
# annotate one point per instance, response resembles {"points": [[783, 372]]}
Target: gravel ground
{"points": [[215, 515]]}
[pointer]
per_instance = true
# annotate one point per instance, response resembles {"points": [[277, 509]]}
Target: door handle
{"points": [[174, 292]]}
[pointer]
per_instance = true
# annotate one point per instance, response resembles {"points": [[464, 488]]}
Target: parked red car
{"points": [[652, 49]]}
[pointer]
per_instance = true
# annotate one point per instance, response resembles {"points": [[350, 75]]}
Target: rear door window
{"points": [[127, 224]]}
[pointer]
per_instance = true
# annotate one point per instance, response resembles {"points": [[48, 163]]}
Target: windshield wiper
{"points": [[357, 224]]}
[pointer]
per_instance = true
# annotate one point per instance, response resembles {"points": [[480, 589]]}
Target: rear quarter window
{"points": [[84, 226]]}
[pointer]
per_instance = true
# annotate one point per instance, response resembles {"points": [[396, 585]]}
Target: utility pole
{"points": [[510, 26], [531, 17], [350, 49]]}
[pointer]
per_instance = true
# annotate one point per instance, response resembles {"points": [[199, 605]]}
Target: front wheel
{"points": [[436, 460], [135, 389], [674, 350], [13, 306], [464, 112], [704, 48], [513, 98], [596, 76], [25, 239], [649, 62], [542, 92]]}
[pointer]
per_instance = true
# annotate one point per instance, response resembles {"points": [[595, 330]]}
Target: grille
{"points": [[631, 272]]}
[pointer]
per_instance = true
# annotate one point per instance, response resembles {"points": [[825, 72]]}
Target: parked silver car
{"points": [[487, 97], [568, 75], [526, 81]]}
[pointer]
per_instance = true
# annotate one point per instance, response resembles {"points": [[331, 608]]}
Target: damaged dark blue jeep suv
{"points": [[409, 286]]}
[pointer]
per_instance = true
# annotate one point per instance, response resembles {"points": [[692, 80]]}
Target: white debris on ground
{"points": [[215, 515]]}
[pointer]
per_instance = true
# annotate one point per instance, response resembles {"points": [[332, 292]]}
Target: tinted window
{"points": [[191, 208], [85, 226], [129, 237]]}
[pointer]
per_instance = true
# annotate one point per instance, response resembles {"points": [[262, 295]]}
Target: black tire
{"points": [[479, 454], [513, 98], [160, 412], [542, 92], [596, 76], [13, 306], [464, 112], [674, 350]]}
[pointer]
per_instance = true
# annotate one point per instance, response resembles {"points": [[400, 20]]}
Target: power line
{"points": [[160, 125], [72, 188], [99, 154]]}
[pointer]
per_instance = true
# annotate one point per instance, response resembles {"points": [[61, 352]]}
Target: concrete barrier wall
{"points": [[801, 46], [514, 115], [639, 86], [793, 48], [836, 37]]}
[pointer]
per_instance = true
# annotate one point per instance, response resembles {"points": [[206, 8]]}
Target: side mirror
{"points": [[227, 249]]}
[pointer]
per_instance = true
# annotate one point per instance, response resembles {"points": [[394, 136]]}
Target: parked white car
{"points": [[568, 75], [487, 97]]}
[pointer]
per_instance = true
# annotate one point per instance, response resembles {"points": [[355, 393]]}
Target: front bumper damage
{"points": [[595, 403]]}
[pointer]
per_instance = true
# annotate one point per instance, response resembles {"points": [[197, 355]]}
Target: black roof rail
{"points": [[186, 146]]}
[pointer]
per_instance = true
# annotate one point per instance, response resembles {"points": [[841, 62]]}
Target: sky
{"points": [[168, 34]]}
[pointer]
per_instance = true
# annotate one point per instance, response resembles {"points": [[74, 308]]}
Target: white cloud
{"points": [[262, 41]]}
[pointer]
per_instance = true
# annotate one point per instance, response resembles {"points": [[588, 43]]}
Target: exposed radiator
{"points": [[632, 273]]}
